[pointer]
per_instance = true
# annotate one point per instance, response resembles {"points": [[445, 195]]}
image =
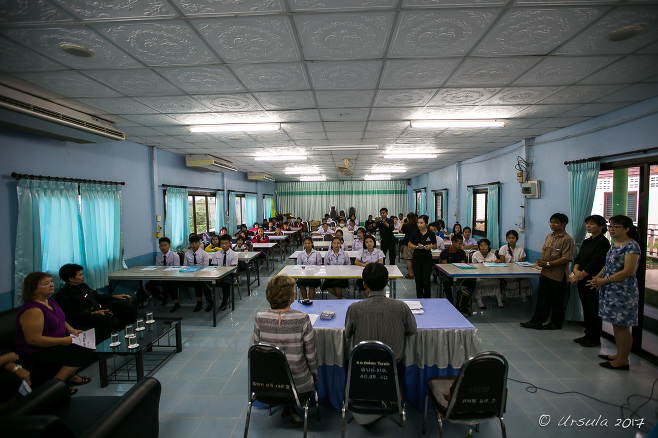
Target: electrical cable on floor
{"points": [[645, 427]]}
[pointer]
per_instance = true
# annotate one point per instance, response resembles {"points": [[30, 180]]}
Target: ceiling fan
{"points": [[345, 169]]}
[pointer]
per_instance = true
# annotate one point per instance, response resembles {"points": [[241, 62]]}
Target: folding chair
{"points": [[479, 394]]}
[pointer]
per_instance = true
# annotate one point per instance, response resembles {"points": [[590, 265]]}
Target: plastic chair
{"points": [[480, 392], [271, 383], [373, 389]]}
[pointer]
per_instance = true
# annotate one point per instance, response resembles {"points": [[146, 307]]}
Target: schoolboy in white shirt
{"points": [[197, 256], [225, 257]]}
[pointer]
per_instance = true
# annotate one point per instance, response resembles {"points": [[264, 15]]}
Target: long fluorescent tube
{"points": [[429, 124], [236, 127], [388, 170], [376, 177], [343, 148], [313, 178], [408, 156], [301, 171], [280, 157]]}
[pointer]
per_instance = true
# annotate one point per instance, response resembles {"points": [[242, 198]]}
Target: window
{"points": [[419, 198], [438, 206], [240, 210], [480, 212], [631, 205], [202, 212]]}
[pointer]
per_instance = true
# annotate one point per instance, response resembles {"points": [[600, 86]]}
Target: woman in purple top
{"points": [[42, 334]]}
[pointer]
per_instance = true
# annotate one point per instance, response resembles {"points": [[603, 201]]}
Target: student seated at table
{"points": [[166, 257], [241, 244], [194, 257], [453, 254], [369, 254], [440, 244], [260, 237], [213, 246], [340, 235], [271, 226], [278, 231], [85, 307], [351, 225], [357, 244], [512, 253], [291, 331], [469, 242], [456, 229], [300, 224], [371, 226], [440, 226], [254, 230], [189, 246], [225, 257], [356, 221], [486, 287], [324, 230], [306, 258], [336, 256]]}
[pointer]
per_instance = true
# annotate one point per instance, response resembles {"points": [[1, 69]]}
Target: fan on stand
{"points": [[345, 169]]}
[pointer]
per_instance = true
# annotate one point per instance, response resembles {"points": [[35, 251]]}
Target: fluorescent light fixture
{"points": [[346, 148], [429, 124], [235, 127], [313, 178], [280, 157], [301, 170], [388, 170], [408, 156], [375, 177]]}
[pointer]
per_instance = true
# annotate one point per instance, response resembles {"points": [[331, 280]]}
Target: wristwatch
{"points": [[16, 368], [548, 264]]}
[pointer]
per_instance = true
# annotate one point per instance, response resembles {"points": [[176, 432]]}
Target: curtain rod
{"points": [[242, 191], [440, 190], [186, 187], [599, 158], [419, 189], [487, 184], [56, 178], [267, 194]]}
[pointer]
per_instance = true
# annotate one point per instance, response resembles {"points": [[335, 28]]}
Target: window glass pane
{"points": [[438, 202], [631, 206], [480, 212], [238, 212], [211, 213], [244, 211], [607, 205], [201, 216], [190, 201]]}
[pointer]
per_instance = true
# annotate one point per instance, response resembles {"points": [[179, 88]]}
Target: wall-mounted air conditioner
{"points": [[209, 163], [29, 113], [259, 176]]}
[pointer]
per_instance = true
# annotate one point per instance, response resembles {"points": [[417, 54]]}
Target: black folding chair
{"points": [[372, 383], [271, 382], [479, 394]]}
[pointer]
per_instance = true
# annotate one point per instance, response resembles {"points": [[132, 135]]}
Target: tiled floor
{"points": [[205, 387]]}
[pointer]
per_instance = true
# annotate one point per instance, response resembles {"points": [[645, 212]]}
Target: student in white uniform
{"points": [[512, 253], [197, 256], [369, 254], [306, 258], [225, 257], [324, 229], [166, 257], [340, 235], [351, 225], [346, 234], [336, 256], [486, 286], [357, 244]]}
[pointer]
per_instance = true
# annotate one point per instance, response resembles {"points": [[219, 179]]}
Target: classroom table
{"points": [[247, 257], [266, 248], [353, 255], [444, 341], [480, 270], [324, 245], [210, 274], [346, 272], [283, 242]]}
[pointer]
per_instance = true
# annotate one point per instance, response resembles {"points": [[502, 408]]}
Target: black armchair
{"points": [[49, 411]]}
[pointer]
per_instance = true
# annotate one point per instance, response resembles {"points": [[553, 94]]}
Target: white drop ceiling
{"points": [[333, 72]]}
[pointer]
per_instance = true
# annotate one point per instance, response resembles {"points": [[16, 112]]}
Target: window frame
{"points": [[193, 212], [474, 230], [437, 216], [240, 198], [417, 195]]}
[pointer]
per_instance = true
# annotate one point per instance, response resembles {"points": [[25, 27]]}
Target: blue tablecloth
{"points": [[444, 341]]}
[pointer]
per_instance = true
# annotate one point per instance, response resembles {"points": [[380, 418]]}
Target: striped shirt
{"points": [[366, 256], [314, 258], [357, 245], [337, 259], [296, 338]]}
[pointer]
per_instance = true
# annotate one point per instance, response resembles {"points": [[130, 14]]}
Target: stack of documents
{"points": [[415, 306]]}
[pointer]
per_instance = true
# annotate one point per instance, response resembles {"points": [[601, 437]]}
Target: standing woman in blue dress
{"points": [[618, 290]]}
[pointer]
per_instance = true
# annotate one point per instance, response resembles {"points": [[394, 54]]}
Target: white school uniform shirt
{"points": [[440, 244], [321, 231], [342, 258], [517, 254], [314, 258], [231, 258], [348, 236], [365, 256], [169, 259], [478, 258], [357, 245], [470, 241], [201, 258]]}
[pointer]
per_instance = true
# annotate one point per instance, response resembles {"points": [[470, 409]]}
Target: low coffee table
{"points": [[155, 342]]}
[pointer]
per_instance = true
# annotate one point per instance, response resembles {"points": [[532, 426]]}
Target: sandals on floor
{"points": [[83, 381]]}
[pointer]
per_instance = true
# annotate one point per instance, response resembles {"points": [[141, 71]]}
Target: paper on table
{"points": [[174, 268], [495, 265], [417, 311], [314, 317], [413, 304], [463, 266], [150, 268], [210, 268], [526, 264], [86, 339]]}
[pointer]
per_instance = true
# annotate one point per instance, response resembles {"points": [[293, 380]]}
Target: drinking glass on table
{"points": [[114, 339], [149, 318], [130, 332], [140, 325]]}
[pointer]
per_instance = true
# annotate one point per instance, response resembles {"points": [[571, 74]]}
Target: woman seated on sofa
{"points": [[42, 334]]}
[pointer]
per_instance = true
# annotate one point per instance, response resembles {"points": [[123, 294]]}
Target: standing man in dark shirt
{"points": [[385, 226], [87, 308]]}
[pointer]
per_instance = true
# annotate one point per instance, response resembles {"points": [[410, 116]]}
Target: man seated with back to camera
{"points": [[85, 307]]}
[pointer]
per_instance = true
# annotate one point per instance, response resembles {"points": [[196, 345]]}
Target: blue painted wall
{"points": [[112, 161]]}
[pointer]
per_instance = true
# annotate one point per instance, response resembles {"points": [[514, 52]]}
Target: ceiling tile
{"points": [[343, 36], [342, 5], [581, 93], [351, 136], [545, 110], [491, 72], [69, 83], [24, 59], [419, 73], [594, 109], [344, 75], [173, 104], [272, 77], [413, 97], [445, 3], [134, 82], [104, 10], [153, 120], [21, 11], [632, 93], [559, 122], [344, 99], [154, 44], [308, 136], [308, 115], [535, 31], [446, 112], [522, 95], [218, 118], [229, 102], [394, 113], [344, 126], [267, 38], [118, 105], [439, 33], [196, 80], [302, 127], [224, 7], [462, 96], [344, 114], [593, 39], [563, 70], [280, 100], [387, 126], [625, 71], [47, 42]]}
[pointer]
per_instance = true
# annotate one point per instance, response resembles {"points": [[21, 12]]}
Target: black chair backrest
{"points": [[328, 237], [332, 212], [181, 256], [480, 389], [342, 213], [372, 374], [270, 379], [351, 212], [8, 330]]}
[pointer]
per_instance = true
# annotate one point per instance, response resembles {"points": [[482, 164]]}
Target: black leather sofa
{"points": [[49, 411]]}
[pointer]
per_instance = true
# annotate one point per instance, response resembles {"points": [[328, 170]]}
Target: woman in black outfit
{"points": [[589, 262], [422, 242], [408, 229]]}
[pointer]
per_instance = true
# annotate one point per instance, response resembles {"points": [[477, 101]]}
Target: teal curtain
{"points": [[220, 211], [469, 209], [231, 213], [311, 200], [48, 232], [582, 186], [177, 222], [251, 208], [268, 207], [445, 207], [493, 227], [101, 227], [423, 202]]}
